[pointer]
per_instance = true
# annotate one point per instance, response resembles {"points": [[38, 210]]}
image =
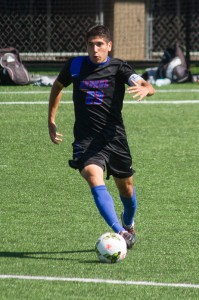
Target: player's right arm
{"points": [[54, 100]]}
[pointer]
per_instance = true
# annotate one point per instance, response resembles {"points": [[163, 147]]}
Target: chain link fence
{"points": [[175, 21], [55, 29]]}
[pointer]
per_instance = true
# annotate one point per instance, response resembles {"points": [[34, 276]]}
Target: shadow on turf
{"points": [[42, 255]]}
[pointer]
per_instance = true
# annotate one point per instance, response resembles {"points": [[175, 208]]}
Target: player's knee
{"points": [[93, 175], [126, 191]]}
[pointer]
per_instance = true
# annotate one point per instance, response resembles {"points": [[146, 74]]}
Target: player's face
{"points": [[98, 49]]}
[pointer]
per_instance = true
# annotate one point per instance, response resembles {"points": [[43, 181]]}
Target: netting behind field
{"points": [[40, 28], [142, 29], [175, 21]]}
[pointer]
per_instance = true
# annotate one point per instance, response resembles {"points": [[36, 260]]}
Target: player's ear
{"points": [[109, 46]]}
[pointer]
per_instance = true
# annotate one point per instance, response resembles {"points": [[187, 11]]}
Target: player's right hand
{"points": [[54, 135]]}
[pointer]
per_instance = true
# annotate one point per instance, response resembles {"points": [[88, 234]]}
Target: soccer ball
{"points": [[111, 248]]}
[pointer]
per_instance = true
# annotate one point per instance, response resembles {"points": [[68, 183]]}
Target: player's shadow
{"points": [[72, 255]]}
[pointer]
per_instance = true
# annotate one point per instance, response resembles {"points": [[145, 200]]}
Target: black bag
{"points": [[12, 71], [173, 65]]}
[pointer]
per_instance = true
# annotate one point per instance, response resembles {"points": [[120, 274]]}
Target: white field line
{"points": [[70, 91], [31, 92], [162, 102], [30, 102], [178, 91], [107, 281], [125, 102]]}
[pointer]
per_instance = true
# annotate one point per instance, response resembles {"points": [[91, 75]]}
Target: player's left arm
{"points": [[140, 88]]}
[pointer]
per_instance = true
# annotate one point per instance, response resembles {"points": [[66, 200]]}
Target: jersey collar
{"points": [[101, 64]]}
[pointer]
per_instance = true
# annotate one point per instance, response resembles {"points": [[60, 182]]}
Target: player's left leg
{"points": [[121, 168], [128, 197]]}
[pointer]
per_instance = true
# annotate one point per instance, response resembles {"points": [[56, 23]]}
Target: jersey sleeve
{"points": [[128, 74], [135, 77], [64, 76]]}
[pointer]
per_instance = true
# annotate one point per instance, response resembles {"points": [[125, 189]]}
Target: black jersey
{"points": [[98, 93]]}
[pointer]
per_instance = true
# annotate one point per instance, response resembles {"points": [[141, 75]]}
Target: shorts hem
{"points": [[91, 163]]}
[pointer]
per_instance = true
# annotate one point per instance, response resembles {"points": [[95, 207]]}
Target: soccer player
{"points": [[100, 142]]}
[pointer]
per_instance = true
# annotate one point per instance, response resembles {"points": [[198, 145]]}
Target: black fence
{"points": [[175, 21], [56, 28]]}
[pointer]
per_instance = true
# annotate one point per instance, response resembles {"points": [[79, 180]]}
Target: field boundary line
{"points": [[107, 281], [162, 102], [125, 102], [179, 91], [70, 91], [32, 92]]}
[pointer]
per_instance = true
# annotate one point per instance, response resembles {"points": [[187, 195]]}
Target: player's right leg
{"points": [[93, 174]]}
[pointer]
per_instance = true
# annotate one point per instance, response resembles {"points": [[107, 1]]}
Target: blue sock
{"points": [[130, 205], [105, 205]]}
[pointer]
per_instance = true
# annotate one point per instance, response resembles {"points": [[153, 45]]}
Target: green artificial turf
{"points": [[49, 223]]}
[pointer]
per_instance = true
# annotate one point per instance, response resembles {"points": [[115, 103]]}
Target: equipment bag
{"points": [[173, 65], [12, 71]]}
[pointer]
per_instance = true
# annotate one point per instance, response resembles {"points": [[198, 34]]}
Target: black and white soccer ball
{"points": [[111, 248]]}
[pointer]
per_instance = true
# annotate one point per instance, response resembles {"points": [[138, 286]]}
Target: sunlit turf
{"points": [[49, 223]]}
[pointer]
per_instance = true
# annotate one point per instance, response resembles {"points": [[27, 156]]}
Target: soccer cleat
{"points": [[129, 228], [129, 238]]}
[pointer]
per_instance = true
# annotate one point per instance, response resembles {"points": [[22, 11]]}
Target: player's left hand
{"points": [[139, 90]]}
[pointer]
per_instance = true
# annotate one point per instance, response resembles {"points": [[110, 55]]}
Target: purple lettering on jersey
{"points": [[94, 94], [95, 84], [104, 83], [94, 97]]}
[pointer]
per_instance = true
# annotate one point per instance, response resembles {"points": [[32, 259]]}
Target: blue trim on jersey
{"points": [[101, 64], [76, 66]]}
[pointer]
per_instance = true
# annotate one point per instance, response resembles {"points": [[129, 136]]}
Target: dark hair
{"points": [[99, 30]]}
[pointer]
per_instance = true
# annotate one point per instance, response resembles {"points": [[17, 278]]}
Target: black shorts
{"points": [[113, 156]]}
